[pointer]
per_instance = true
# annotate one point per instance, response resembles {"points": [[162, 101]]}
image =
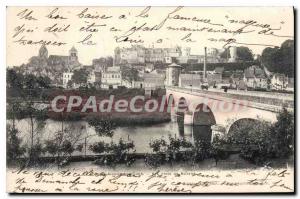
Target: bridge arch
{"points": [[203, 115], [240, 124], [203, 119]]}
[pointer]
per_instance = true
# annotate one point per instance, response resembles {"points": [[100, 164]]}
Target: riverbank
{"points": [[119, 119], [127, 118]]}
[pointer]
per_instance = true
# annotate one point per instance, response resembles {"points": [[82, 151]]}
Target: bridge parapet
{"points": [[270, 101]]}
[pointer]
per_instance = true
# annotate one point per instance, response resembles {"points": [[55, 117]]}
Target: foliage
{"points": [[158, 145], [79, 147], [260, 140], [115, 152], [280, 59], [283, 133], [35, 151], [243, 54], [103, 126], [130, 74], [67, 147], [99, 147], [176, 150], [51, 147], [18, 80], [80, 76], [202, 150], [26, 86], [14, 79], [63, 144], [13, 144]]}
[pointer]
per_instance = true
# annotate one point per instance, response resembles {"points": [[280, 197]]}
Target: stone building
{"points": [[67, 76], [190, 80], [52, 66], [111, 78], [138, 54], [68, 62], [154, 80]]}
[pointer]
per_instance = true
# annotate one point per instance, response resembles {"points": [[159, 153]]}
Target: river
{"points": [[140, 135]]}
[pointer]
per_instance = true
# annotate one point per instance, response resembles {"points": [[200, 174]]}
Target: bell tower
{"points": [[73, 54], [43, 52]]}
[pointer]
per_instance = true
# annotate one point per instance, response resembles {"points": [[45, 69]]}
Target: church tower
{"points": [[73, 54], [43, 52]]}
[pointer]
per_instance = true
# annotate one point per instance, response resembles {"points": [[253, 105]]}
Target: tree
{"points": [[131, 74], [51, 147], [283, 133], [14, 79], [67, 147], [260, 140], [64, 142], [280, 60], [36, 126], [13, 144], [102, 126], [35, 118], [43, 82], [116, 153], [14, 111], [80, 76], [30, 82], [28, 88], [109, 61], [244, 53]]}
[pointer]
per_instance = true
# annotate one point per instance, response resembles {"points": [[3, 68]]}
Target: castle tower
{"points": [[233, 54], [43, 52], [73, 54]]}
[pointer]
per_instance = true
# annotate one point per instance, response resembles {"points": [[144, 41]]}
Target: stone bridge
{"points": [[220, 110]]}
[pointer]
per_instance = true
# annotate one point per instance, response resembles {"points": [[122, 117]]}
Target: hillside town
{"points": [[153, 68]]}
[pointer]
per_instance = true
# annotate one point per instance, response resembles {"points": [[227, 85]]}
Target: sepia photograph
{"points": [[174, 99]]}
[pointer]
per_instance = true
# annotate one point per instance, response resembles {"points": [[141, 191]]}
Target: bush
{"points": [[260, 141], [176, 150], [103, 126], [114, 153], [13, 145]]}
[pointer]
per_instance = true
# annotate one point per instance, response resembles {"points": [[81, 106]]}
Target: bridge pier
{"points": [[188, 118]]}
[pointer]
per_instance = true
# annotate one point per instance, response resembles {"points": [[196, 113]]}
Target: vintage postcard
{"points": [[150, 100]]}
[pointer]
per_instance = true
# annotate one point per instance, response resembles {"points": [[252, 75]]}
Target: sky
{"points": [[32, 23]]}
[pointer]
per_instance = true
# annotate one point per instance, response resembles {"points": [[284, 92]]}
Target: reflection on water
{"points": [[141, 135], [194, 133]]}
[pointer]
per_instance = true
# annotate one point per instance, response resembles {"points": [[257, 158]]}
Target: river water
{"points": [[140, 135]]}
